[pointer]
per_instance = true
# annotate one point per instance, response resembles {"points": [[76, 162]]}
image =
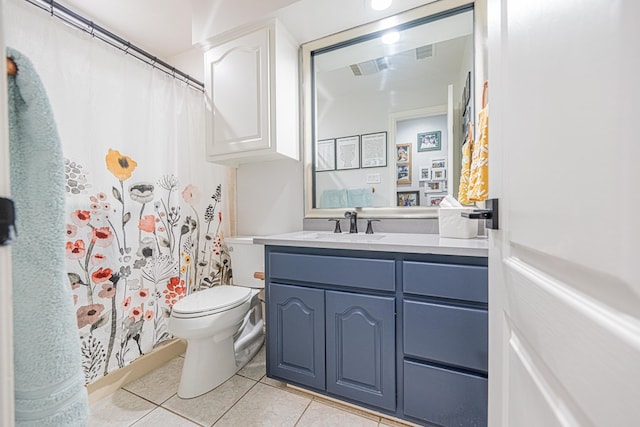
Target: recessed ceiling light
{"points": [[390, 37], [380, 4]]}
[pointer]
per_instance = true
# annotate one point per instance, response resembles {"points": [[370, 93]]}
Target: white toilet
{"points": [[222, 325]]}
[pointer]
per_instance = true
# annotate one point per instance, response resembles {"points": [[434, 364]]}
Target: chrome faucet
{"points": [[353, 221]]}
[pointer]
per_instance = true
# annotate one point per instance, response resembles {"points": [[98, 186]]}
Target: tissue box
{"points": [[452, 224]]}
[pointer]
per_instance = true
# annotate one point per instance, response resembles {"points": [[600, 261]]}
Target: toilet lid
{"points": [[218, 298]]}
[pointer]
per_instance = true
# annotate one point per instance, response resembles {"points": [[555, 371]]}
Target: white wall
{"points": [[190, 62], [269, 197]]}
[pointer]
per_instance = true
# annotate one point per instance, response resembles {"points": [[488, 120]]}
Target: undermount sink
{"points": [[356, 237]]}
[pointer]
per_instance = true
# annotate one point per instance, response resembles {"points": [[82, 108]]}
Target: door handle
{"points": [[490, 215], [7, 222]]}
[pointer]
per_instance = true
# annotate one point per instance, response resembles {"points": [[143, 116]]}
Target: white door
{"points": [[564, 150], [6, 305]]}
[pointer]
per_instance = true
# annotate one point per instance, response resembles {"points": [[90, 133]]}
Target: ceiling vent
{"points": [[369, 67], [423, 52]]}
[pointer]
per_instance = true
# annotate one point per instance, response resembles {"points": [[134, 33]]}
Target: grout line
{"points": [[182, 416], [138, 419], [146, 398], [235, 403], [303, 412]]}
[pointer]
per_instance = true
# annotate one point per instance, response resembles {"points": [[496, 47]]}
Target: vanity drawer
{"points": [[366, 273], [444, 397], [445, 334], [463, 282]]}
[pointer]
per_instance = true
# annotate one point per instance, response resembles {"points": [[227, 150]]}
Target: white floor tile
{"points": [[209, 407], [264, 405], [119, 409], [162, 417], [321, 415], [159, 384]]}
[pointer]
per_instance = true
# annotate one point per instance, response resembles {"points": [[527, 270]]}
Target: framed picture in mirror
{"points": [[429, 141], [435, 199], [403, 153], [326, 155], [425, 173], [408, 198], [438, 174], [434, 186], [403, 174], [348, 152], [438, 163], [374, 150]]}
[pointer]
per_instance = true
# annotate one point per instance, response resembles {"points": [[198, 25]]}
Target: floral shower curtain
{"points": [[146, 213]]}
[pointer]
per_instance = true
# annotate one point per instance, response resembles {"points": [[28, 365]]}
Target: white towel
{"points": [[49, 383]]}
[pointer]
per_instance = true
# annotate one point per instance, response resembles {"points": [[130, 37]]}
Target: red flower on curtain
{"points": [[75, 250], [102, 236], [101, 275], [80, 217]]}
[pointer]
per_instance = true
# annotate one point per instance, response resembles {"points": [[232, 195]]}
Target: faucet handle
{"points": [[337, 229], [370, 226]]}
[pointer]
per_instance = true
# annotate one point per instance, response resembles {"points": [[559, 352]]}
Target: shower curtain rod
{"points": [[76, 20]]}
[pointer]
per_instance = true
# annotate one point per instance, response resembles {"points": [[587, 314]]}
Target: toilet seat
{"points": [[211, 301]]}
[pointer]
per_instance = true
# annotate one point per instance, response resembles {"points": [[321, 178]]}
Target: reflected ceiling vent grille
{"points": [[423, 52], [369, 67]]}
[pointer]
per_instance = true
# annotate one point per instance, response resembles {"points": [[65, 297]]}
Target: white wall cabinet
{"points": [[251, 79]]}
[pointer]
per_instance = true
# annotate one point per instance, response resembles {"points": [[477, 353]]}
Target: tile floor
{"points": [[249, 398]]}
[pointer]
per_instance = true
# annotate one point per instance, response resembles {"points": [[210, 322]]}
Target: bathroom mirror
{"points": [[386, 106]]}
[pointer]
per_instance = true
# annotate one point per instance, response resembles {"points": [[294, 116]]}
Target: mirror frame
{"points": [[308, 98]]}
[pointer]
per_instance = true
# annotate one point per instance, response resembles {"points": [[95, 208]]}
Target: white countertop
{"points": [[384, 242]]}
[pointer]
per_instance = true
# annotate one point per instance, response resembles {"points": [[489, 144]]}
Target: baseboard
{"points": [[384, 417], [114, 380]]}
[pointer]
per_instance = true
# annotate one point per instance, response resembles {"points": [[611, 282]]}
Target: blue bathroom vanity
{"points": [[395, 323]]}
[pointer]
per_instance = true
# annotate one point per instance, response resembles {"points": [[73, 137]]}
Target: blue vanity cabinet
{"points": [[360, 348], [297, 329], [445, 343], [402, 334], [332, 324]]}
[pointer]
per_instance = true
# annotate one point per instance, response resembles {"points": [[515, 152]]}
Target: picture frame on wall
{"points": [[408, 198], [326, 155], [434, 200], [438, 163], [425, 173], [403, 174], [434, 186], [403, 153], [466, 91], [429, 141], [373, 147], [438, 174], [348, 152]]}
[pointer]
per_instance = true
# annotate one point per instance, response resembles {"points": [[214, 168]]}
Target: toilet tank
{"points": [[246, 259]]}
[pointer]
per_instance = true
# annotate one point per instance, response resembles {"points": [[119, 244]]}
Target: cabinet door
{"points": [[295, 335], [237, 80], [361, 348]]}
